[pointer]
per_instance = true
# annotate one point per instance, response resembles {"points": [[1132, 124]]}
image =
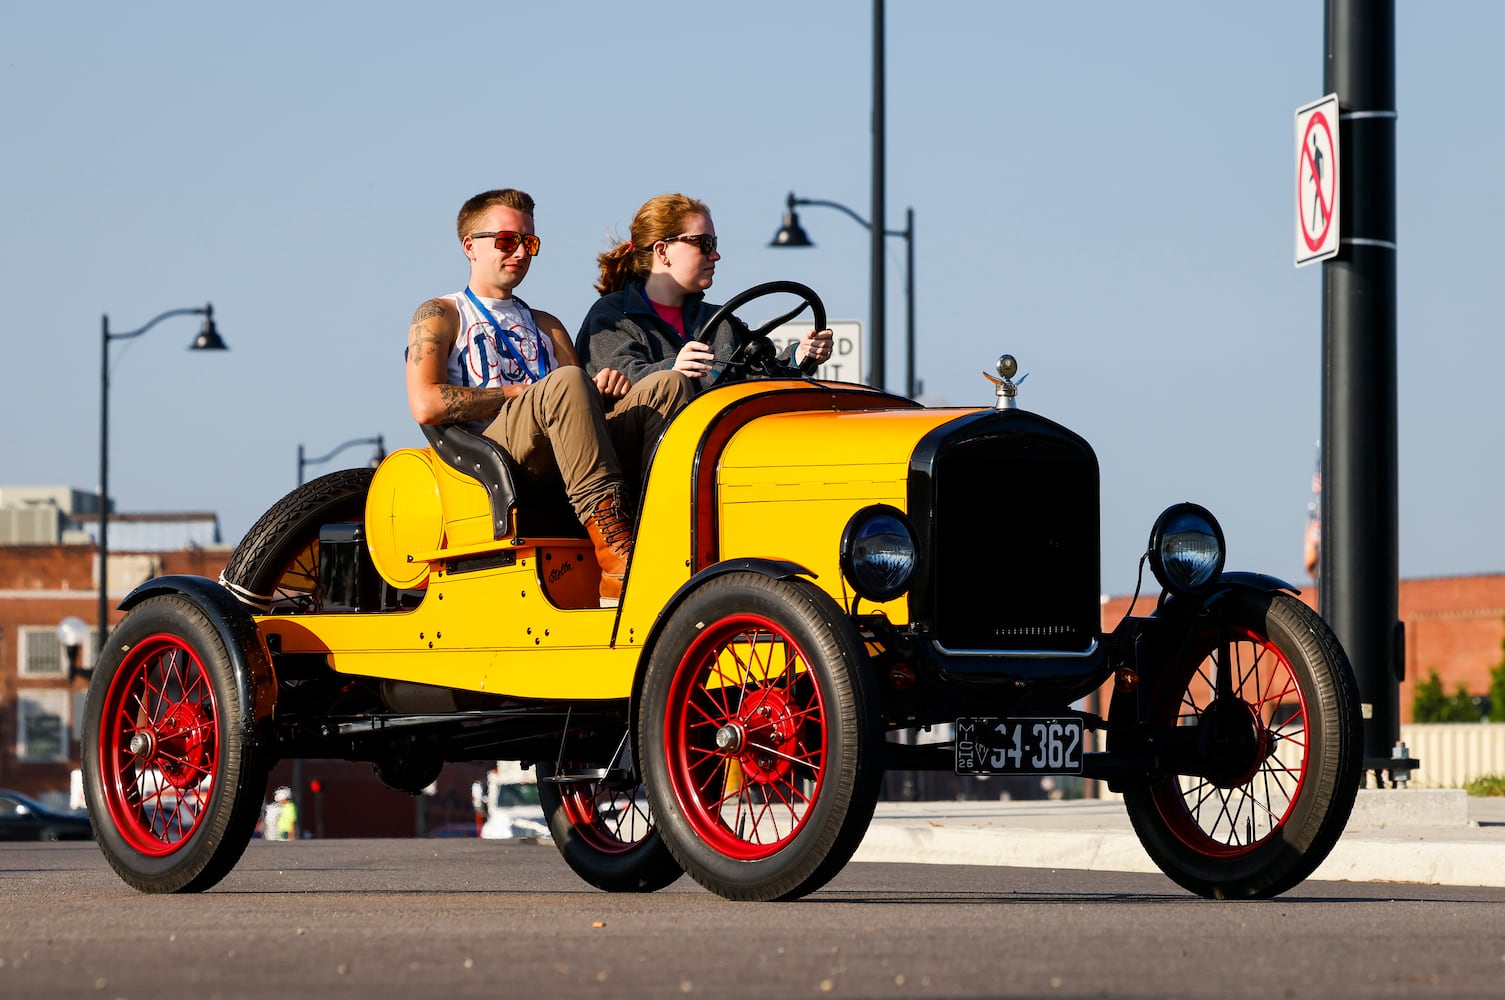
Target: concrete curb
{"points": [[1354, 859], [1096, 851], [1423, 836], [1433, 863]]}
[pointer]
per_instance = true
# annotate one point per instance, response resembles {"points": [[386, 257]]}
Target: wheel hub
{"points": [[767, 736], [181, 746], [1235, 743]]}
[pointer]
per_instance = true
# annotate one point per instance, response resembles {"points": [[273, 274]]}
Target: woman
{"points": [[652, 311]]}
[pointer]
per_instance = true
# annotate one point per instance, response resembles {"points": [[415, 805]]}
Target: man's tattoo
{"points": [[462, 403], [422, 343], [428, 310]]}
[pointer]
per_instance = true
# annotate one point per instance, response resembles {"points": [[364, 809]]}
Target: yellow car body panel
{"points": [[488, 630], [779, 490], [506, 629]]}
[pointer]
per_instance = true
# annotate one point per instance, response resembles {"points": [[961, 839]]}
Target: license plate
{"points": [[1018, 746]]}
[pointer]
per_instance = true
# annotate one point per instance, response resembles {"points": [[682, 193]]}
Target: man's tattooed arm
{"points": [[425, 336], [430, 338], [463, 404]]}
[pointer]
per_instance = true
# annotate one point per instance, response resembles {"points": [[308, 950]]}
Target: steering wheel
{"points": [[755, 354]]}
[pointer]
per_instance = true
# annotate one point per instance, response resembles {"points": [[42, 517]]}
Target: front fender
{"points": [[1143, 644], [255, 677], [1262, 583], [777, 569], [1257, 581]]}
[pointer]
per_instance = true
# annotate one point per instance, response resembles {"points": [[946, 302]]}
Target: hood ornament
{"points": [[1008, 389]]}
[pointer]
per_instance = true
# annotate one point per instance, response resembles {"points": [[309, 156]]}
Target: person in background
{"points": [[269, 813], [281, 821], [652, 311], [483, 358]]}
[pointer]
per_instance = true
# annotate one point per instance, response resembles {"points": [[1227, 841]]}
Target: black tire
{"points": [[778, 806], [605, 832], [175, 813], [275, 568], [1257, 833]]}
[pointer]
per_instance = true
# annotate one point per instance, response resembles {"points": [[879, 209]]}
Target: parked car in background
{"points": [[512, 803], [23, 818]]}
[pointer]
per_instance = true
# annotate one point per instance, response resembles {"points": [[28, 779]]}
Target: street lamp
{"points": [[207, 340], [72, 633], [792, 234], [376, 458]]}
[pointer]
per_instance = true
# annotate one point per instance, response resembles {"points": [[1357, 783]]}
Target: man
{"points": [[482, 357]]}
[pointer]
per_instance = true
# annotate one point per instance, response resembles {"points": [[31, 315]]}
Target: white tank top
{"points": [[477, 360]]}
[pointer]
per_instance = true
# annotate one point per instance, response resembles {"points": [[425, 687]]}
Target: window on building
{"points": [[42, 655], [42, 725]]}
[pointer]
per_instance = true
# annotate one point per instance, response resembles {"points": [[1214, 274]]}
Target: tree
{"points": [[1430, 703], [1497, 689]]}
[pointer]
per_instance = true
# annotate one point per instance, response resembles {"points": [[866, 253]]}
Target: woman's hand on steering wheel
{"points": [[815, 347], [694, 359], [755, 353]]}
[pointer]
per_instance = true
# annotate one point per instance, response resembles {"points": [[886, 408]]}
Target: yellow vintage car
{"points": [[807, 593]]}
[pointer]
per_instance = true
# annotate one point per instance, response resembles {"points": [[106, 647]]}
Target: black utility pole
{"points": [[877, 291], [1359, 574]]}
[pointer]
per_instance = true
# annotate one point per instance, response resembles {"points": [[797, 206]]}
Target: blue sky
{"points": [[1104, 189]]}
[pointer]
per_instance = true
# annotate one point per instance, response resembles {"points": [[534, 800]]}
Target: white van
{"points": [[512, 808]]}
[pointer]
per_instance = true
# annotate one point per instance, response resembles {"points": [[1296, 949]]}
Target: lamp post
{"points": [[207, 340], [878, 291], [304, 462], [792, 234], [376, 458]]}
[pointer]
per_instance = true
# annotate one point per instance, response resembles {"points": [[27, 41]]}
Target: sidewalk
{"points": [[1428, 836]]}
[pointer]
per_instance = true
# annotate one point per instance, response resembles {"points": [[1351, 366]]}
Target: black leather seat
{"points": [[542, 508]]}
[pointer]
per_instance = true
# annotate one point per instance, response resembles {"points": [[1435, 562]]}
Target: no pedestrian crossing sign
{"points": [[845, 364], [1317, 180]]}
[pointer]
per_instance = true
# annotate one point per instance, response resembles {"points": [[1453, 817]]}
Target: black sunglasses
{"points": [[507, 241], [706, 242]]}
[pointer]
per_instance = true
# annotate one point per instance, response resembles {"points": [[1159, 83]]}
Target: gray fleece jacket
{"points": [[623, 331]]}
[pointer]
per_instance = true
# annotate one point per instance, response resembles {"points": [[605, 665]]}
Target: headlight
{"points": [[1186, 549], [878, 552]]}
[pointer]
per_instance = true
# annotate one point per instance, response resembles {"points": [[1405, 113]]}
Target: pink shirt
{"points": [[673, 315]]}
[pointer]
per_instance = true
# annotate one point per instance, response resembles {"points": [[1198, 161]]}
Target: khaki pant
{"points": [[559, 423]]}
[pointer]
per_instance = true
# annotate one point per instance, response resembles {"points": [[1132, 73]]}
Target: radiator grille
{"points": [[1015, 535]]}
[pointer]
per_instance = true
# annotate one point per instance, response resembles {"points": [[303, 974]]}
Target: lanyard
{"points": [[506, 341]]}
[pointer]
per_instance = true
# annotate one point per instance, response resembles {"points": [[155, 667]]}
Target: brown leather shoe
{"points": [[610, 529]]}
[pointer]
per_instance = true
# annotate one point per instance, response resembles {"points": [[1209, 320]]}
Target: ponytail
{"points": [[619, 264]]}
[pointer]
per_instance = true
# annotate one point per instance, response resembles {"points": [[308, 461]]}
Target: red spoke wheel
{"points": [[172, 784], [747, 737], [1282, 759], [161, 727], [759, 737], [603, 827]]}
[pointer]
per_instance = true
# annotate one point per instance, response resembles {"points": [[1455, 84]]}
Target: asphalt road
{"points": [[404, 918]]}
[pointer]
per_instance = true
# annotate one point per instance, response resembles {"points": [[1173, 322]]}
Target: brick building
{"points": [[41, 706]]}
